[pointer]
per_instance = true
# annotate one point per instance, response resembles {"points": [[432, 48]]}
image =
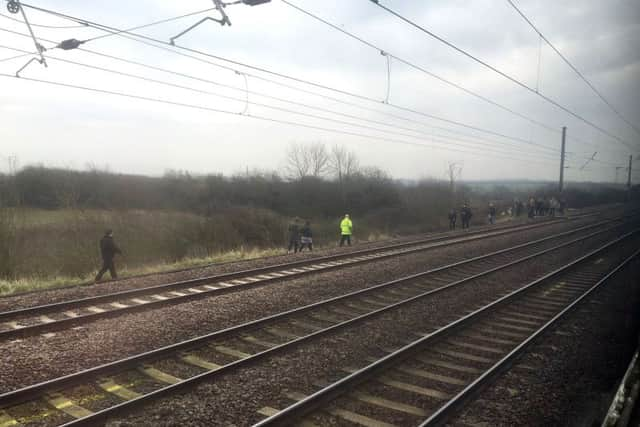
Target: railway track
{"points": [[429, 379], [91, 396], [66, 314]]}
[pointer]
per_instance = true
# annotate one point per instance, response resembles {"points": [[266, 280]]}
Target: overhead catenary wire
{"points": [[86, 25], [435, 76], [502, 73], [115, 31], [171, 48], [53, 27], [136, 37], [433, 138], [162, 21], [419, 68], [564, 58], [258, 117], [245, 92]]}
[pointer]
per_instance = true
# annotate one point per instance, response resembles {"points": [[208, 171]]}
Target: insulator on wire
{"points": [[69, 44], [255, 2]]}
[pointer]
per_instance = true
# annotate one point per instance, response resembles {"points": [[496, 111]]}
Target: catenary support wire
{"points": [[573, 67], [502, 73], [268, 119], [142, 39], [274, 97]]}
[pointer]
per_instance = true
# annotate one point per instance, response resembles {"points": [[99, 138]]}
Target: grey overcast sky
{"points": [[64, 127]]}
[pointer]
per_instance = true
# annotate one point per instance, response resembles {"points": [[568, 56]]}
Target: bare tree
{"points": [[318, 159], [297, 163], [307, 160], [343, 163]]}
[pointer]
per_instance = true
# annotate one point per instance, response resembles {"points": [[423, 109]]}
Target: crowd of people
{"points": [[535, 206]]}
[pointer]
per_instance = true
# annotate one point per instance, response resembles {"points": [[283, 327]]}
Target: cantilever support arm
{"points": [[224, 21]]}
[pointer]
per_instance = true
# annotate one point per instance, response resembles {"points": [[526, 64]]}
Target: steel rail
{"points": [[448, 233], [263, 270], [508, 360], [28, 393], [313, 402], [124, 295], [548, 221]]}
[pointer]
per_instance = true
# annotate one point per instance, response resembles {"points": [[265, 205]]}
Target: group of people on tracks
{"points": [[299, 238]]}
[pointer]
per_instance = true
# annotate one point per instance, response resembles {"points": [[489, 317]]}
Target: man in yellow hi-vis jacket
{"points": [[346, 229]]}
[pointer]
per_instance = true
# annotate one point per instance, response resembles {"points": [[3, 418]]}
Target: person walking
{"points": [[453, 217], [294, 236], [306, 237], [492, 214], [108, 250], [346, 230]]}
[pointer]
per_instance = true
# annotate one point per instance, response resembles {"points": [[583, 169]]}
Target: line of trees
{"points": [[183, 215]]}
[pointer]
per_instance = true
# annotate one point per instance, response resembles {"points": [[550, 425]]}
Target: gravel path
{"points": [[233, 399], [39, 358], [569, 377]]}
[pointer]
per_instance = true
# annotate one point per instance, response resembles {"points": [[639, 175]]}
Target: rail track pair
{"points": [[66, 314], [92, 396]]}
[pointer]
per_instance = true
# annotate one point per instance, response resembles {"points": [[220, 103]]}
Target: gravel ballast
{"points": [[32, 299], [40, 358], [569, 376], [234, 399]]}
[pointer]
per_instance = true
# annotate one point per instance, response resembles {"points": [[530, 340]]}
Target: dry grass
{"points": [[29, 284]]}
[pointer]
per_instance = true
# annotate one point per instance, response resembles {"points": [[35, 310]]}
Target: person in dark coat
{"points": [[306, 237], [294, 236], [453, 217], [465, 216], [108, 250], [492, 214]]}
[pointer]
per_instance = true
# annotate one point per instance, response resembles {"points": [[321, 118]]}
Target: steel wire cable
{"points": [[54, 27], [85, 25], [524, 141], [244, 90], [419, 68], [136, 38], [261, 118], [115, 31], [564, 58], [501, 73], [147, 79], [168, 47]]}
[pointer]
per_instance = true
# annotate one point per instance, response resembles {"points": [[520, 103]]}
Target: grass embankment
{"points": [[52, 249], [35, 283]]}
